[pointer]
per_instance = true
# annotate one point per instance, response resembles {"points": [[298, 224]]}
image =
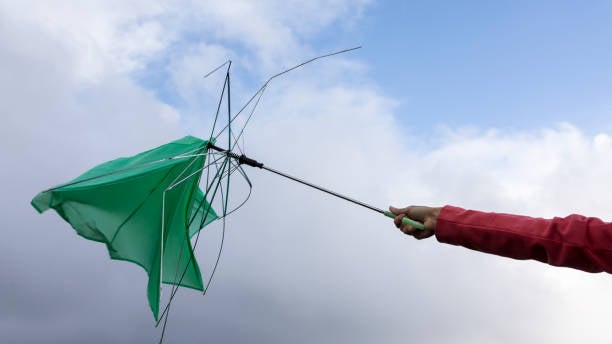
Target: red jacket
{"points": [[575, 241]]}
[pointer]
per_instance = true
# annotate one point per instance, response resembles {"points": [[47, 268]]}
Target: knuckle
{"points": [[407, 229]]}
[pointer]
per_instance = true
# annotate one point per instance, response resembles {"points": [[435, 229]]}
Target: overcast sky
{"points": [[498, 106]]}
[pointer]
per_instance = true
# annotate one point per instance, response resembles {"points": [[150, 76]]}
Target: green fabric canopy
{"points": [[145, 209]]}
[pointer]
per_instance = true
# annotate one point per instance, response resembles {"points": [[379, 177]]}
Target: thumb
{"points": [[398, 211]]}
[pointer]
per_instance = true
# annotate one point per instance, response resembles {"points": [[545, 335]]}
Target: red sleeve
{"points": [[575, 241]]}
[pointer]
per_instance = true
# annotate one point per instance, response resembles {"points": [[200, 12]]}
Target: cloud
{"points": [[110, 37], [104, 36], [298, 266], [543, 172], [363, 271]]}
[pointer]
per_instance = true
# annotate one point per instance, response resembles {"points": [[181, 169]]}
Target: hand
{"points": [[428, 216]]}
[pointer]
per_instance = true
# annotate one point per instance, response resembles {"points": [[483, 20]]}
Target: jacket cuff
{"points": [[446, 230]]}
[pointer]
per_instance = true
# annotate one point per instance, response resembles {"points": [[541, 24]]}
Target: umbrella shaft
{"points": [[243, 159], [406, 220], [323, 189]]}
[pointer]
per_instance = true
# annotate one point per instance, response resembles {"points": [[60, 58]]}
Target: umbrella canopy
{"points": [[144, 208]]}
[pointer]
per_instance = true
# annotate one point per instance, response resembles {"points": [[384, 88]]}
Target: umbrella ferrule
{"points": [[242, 159]]}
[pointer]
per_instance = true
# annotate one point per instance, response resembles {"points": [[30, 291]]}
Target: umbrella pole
{"points": [[244, 160]]}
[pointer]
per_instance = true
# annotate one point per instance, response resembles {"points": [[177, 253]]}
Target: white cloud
{"points": [[544, 172], [104, 36], [471, 297], [298, 265], [122, 36]]}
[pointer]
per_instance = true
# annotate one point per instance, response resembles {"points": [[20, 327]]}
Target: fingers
{"points": [[401, 214], [404, 227], [398, 211], [415, 213], [398, 220], [422, 234]]}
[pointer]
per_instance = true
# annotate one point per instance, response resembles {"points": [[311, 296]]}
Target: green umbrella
{"points": [[144, 208]]}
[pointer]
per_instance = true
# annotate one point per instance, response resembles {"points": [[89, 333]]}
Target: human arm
{"points": [[574, 241]]}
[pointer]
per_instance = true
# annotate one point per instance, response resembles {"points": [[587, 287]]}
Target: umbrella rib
{"points": [[212, 274], [175, 183], [246, 178], [225, 84], [121, 226], [191, 220], [265, 84], [123, 170], [209, 186], [175, 287], [161, 261], [248, 119], [216, 69]]}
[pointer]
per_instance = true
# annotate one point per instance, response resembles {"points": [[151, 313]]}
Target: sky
{"points": [[497, 106]]}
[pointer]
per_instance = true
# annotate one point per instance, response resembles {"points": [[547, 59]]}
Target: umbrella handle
{"points": [[406, 220]]}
